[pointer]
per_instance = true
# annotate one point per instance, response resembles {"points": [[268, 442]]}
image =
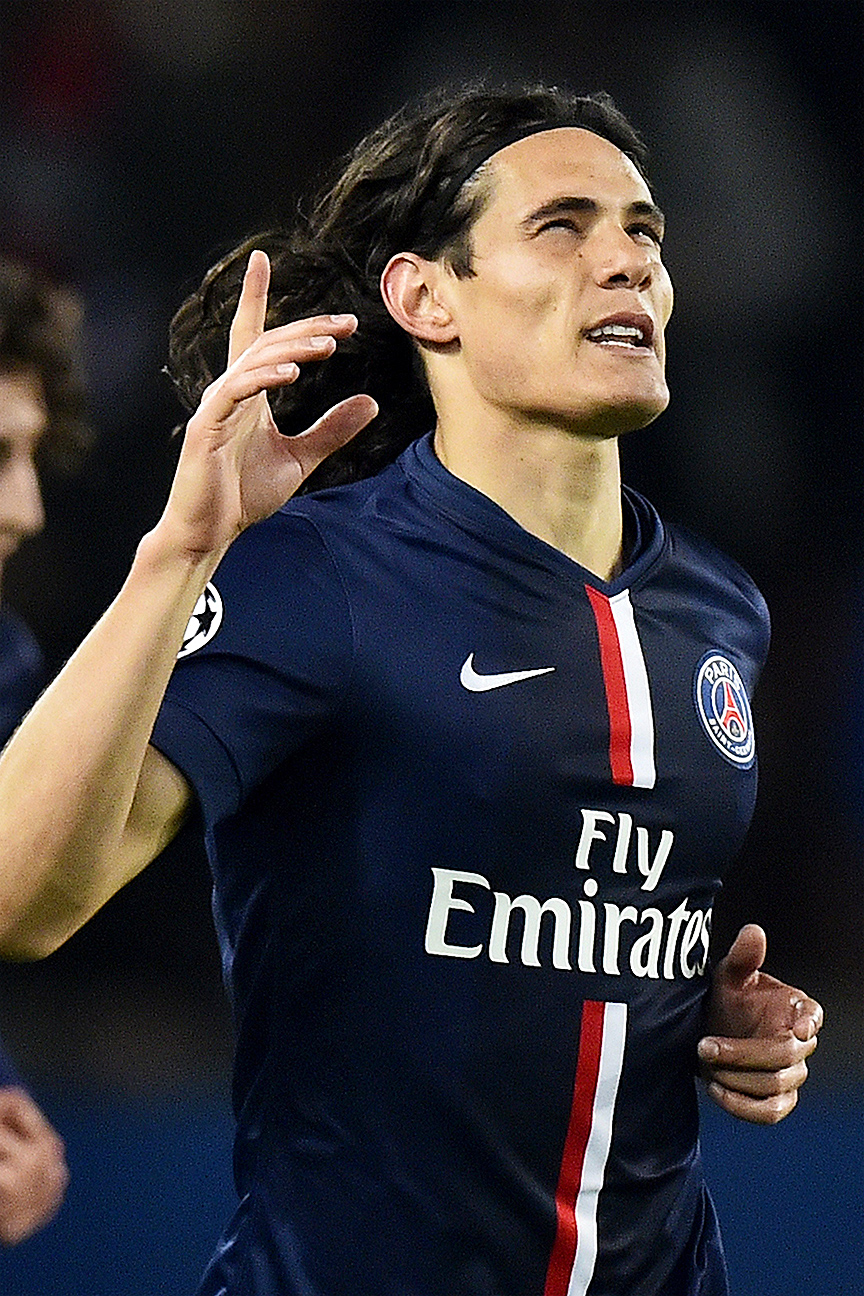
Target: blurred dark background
{"points": [[139, 140]]}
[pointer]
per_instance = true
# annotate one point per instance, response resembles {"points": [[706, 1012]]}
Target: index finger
{"points": [[809, 1017], [251, 312], [758, 1054]]}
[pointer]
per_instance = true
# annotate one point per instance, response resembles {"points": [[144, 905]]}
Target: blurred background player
{"points": [[42, 425]]}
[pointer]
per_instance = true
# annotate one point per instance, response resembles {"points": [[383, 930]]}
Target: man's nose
{"points": [[21, 508], [623, 263]]}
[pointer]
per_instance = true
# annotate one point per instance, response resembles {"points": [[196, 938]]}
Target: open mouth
{"points": [[626, 332]]}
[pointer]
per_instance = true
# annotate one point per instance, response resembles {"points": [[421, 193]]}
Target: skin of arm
{"points": [[85, 803], [33, 1173]]}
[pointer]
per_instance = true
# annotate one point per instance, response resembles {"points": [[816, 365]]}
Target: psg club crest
{"points": [[724, 709], [203, 623]]}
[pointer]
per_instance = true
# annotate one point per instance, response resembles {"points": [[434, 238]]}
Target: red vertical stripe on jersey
{"points": [[578, 1131], [620, 731]]}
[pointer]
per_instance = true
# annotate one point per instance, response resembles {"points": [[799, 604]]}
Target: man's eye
{"points": [[561, 222], [649, 232], [5, 452]]}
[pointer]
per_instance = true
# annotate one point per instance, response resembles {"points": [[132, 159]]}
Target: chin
{"points": [[646, 414], [637, 409], [615, 419], [610, 409]]}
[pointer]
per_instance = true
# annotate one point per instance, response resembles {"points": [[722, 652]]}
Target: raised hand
{"points": [[761, 1032], [235, 467]]}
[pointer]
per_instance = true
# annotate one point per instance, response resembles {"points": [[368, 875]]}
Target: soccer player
{"points": [[471, 733], [41, 419]]}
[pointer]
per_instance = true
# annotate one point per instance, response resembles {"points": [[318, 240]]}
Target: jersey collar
{"points": [[476, 513]]}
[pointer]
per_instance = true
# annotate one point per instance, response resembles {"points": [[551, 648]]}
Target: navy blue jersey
{"points": [[8, 1075], [21, 677], [467, 809], [22, 672]]}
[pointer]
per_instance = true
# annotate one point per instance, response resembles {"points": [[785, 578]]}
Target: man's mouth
{"points": [[629, 332]]}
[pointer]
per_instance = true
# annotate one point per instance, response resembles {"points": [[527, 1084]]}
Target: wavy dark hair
{"points": [[40, 332], [400, 190]]}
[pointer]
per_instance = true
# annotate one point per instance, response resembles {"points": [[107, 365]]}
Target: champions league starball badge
{"points": [[205, 620], [724, 709]]}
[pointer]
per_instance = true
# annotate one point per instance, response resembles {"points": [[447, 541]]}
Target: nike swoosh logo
{"points": [[475, 683]]}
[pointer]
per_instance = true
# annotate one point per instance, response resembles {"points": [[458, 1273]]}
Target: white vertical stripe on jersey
{"points": [[638, 692], [597, 1149]]}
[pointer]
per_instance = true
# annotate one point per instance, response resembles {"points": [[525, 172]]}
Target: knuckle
{"points": [[212, 387], [780, 1107], [798, 1075]]}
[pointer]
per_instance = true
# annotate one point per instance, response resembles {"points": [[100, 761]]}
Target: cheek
{"points": [[502, 336], [500, 370], [527, 337]]}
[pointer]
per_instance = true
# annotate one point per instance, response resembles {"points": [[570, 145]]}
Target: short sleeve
{"points": [[267, 662]]}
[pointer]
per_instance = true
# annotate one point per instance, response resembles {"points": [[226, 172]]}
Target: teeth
{"points": [[618, 331]]}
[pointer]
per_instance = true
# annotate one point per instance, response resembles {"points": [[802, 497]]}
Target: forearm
{"points": [[84, 803], [69, 776]]}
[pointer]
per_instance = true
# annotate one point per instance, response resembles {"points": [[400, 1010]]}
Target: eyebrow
{"points": [[589, 206]]}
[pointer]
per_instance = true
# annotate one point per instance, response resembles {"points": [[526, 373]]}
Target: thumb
{"points": [[332, 431], [746, 955]]}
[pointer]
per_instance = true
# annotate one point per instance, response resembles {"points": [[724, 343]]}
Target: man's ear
{"points": [[410, 286]]}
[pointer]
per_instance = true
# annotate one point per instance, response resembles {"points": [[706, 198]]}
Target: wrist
{"points": [[164, 551]]}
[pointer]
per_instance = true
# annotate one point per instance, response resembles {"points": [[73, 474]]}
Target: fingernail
{"points": [[709, 1050], [344, 319], [288, 368], [321, 343]]}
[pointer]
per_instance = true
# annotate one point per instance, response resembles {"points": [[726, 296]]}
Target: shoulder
{"points": [[721, 596], [294, 546], [708, 564], [293, 575], [701, 588], [314, 521], [671, 553]]}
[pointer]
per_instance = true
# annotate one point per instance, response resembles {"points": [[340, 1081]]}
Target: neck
{"points": [[558, 485]]}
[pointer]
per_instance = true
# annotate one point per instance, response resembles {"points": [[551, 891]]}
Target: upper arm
{"points": [[161, 802], [159, 807], [70, 898]]}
